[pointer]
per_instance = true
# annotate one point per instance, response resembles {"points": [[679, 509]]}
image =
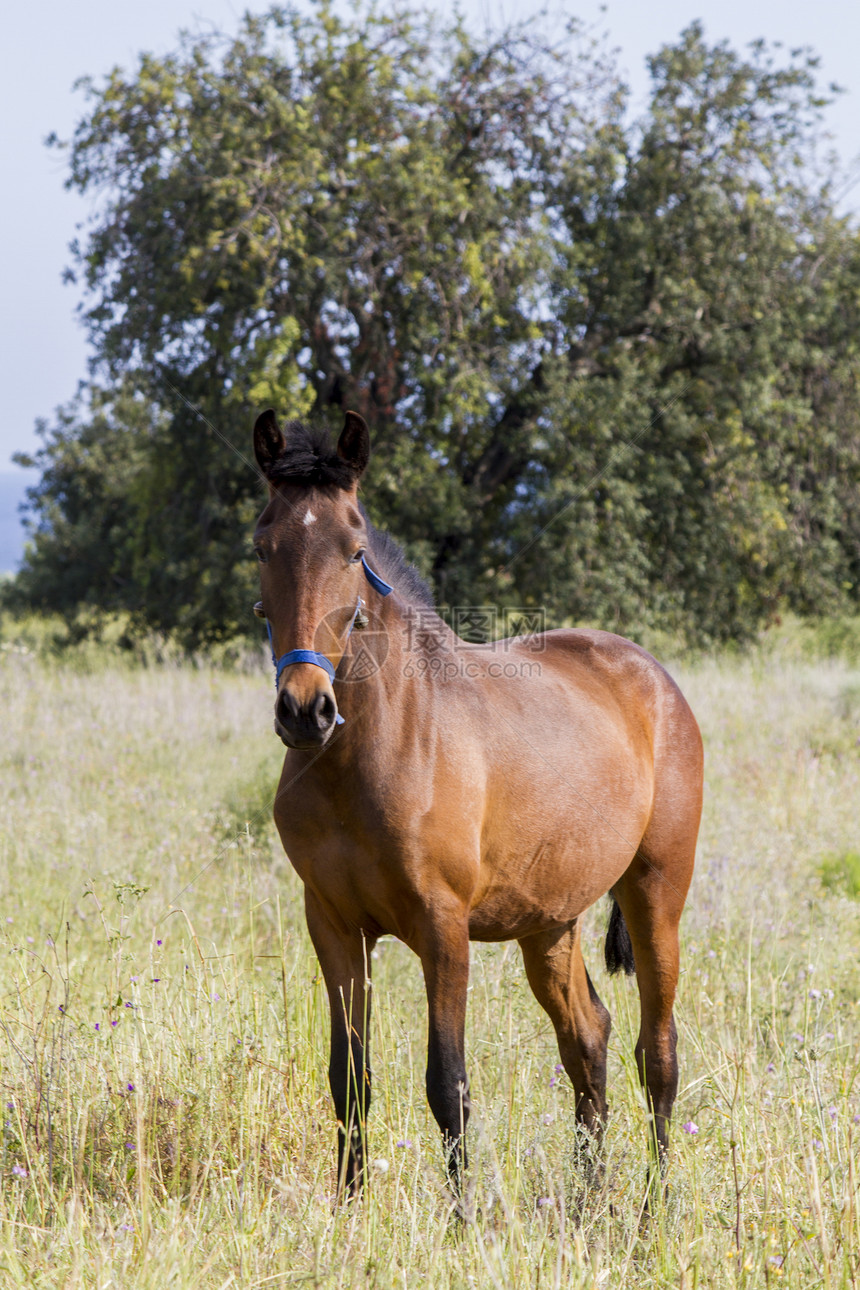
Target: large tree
{"points": [[712, 361], [640, 339]]}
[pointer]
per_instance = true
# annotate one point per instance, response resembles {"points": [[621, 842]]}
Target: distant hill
{"points": [[13, 485]]}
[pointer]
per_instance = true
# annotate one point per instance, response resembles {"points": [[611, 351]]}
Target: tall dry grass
{"points": [[164, 1029]]}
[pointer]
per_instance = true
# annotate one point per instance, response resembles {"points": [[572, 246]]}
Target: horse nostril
{"points": [[286, 708], [324, 711], [313, 719]]}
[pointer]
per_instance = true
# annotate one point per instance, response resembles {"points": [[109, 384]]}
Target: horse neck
{"points": [[415, 639]]}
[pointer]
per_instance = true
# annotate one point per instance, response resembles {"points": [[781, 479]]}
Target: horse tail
{"points": [[618, 950]]}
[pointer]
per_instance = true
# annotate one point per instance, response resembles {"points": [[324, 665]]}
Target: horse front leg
{"points": [[344, 957], [444, 953]]}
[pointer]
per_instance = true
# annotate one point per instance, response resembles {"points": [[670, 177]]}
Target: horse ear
{"points": [[354, 442], [269, 441]]}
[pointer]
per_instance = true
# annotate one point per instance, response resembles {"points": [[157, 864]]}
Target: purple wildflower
{"points": [[690, 1127]]}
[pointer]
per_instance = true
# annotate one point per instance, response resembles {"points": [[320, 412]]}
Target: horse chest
{"points": [[364, 869]]}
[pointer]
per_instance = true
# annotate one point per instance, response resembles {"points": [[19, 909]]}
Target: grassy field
{"points": [[163, 1062]]}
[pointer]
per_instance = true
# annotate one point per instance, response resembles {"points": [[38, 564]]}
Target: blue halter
{"points": [[312, 655]]}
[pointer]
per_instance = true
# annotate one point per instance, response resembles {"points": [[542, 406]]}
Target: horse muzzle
{"points": [[305, 725]]}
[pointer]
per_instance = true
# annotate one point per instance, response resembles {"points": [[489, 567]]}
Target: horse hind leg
{"points": [[651, 897], [560, 983]]}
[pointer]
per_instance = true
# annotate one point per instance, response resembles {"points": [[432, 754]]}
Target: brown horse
{"points": [[444, 792]]}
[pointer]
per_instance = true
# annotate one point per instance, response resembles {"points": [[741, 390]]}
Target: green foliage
{"points": [[841, 874], [810, 640], [608, 369]]}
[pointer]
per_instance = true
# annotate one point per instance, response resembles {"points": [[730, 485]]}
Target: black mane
{"points": [[310, 460], [388, 560]]}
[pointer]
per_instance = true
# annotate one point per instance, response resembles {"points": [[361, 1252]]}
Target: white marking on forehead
{"points": [[310, 518]]}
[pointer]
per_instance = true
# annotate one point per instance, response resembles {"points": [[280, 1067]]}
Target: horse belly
{"points": [[548, 856], [547, 888]]}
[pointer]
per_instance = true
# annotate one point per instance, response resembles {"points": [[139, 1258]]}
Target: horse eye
{"points": [[359, 555], [260, 553]]}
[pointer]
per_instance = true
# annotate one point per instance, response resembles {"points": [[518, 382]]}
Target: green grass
{"points": [[167, 1121], [842, 873]]}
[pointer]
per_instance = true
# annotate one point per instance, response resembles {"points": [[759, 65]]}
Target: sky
{"points": [[46, 47]]}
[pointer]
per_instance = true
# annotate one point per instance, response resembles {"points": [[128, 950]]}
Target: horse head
{"points": [[310, 542]]}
